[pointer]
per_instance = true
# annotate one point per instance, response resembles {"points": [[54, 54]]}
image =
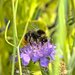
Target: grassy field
{"points": [[56, 18]]}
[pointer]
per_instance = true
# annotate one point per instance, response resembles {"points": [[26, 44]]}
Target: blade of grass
{"points": [[71, 63], [61, 35], [73, 8]]}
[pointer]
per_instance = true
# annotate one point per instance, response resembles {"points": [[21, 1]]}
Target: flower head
{"points": [[44, 53]]}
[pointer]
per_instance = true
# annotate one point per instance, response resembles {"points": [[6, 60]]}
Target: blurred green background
{"points": [[55, 17]]}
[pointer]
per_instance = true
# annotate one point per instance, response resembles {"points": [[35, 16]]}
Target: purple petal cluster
{"points": [[44, 53]]}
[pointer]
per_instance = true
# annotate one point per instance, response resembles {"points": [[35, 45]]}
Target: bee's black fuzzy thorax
{"points": [[37, 36]]}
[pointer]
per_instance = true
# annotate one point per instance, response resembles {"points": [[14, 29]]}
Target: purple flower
{"points": [[43, 53], [44, 62], [25, 59]]}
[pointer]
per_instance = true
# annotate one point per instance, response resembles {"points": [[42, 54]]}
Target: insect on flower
{"points": [[37, 36], [38, 48]]}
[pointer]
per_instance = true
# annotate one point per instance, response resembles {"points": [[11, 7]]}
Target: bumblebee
{"points": [[35, 36]]}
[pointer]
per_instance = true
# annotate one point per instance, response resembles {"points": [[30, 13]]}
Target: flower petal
{"points": [[35, 57], [44, 62], [52, 55], [25, 59]]}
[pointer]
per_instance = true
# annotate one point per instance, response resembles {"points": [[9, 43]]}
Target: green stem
{"points": [[18, 53], [24, 32], [6, 34], [15, 38], [31, 12], [44, 71]]}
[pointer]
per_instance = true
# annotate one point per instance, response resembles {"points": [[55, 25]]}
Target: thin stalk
{"points": [[31, 12], [24, 32], [18, 54], [15, 37], [44, 71], [6, 34]]}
